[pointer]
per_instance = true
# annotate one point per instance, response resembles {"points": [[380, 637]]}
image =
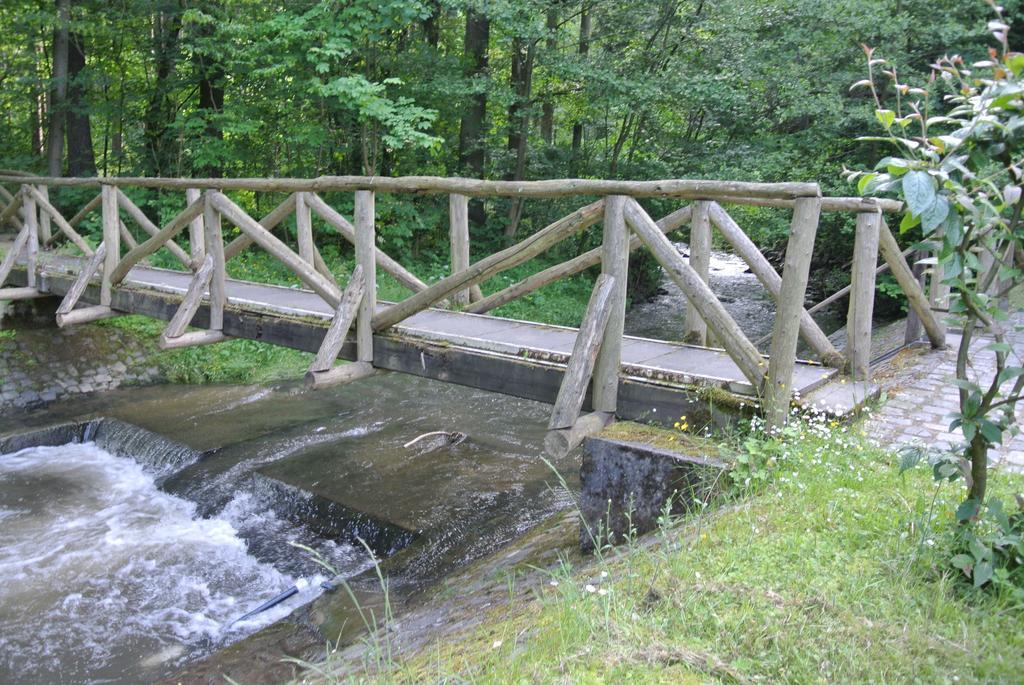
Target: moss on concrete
{"points": [[670, 439]]}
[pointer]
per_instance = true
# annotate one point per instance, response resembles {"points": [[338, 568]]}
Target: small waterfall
{"points": [[158, 456]]}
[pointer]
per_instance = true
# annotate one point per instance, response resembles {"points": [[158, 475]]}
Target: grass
{"points": [[835, 571]]}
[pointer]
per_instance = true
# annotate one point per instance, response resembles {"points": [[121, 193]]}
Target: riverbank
{"points": [[835, 571]]}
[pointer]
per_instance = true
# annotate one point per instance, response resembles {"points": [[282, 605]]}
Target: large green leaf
{"points": [[919, 192], [982, 573], [967, 510], [934, 215]]}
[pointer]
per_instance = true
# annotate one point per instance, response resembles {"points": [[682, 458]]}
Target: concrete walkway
{"points": [[921, 398]]}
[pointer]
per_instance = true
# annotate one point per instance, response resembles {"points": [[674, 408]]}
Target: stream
{"points": [[131, 551], [122, 568], [737, 289]]}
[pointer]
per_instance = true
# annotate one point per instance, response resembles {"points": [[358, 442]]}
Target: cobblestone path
{"points": [[921, 397]]}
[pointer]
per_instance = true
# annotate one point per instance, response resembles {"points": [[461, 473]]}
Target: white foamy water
{"points": [[105, 578]]}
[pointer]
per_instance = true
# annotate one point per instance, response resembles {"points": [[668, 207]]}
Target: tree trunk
{"points": [[577, 128], [471, 128], [432, 24], [521, 80], [211, 94], [58, 90], [81, 158], [518, 81], [160, 110], [547, 117], [38, 114]]}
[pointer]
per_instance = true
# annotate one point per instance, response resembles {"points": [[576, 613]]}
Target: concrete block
{"points": [[626, 486]]}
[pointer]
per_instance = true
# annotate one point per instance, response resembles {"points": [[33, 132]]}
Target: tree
{"points": [[160, 112], [58, 89], [471, 129], [81, 157]]}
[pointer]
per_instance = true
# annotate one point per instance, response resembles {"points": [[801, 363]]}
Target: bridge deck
{"points": [[641, 357]]}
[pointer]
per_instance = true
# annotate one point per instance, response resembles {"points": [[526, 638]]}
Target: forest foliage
{"points": [[737, 89]]}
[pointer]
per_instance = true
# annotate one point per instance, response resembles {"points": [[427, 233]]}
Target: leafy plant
{"points": [[957, 158], [993, 548]]}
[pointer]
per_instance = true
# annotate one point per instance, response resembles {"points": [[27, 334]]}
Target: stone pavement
{"points": [[920, 396]]}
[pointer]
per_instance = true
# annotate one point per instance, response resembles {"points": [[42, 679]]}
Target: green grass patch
{"points": [[233, 361], [835, 570]]}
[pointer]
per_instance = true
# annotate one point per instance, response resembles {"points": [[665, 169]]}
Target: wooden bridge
{"points": [[442, 330]]}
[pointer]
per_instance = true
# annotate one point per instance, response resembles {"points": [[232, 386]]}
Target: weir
{"points": [[591, 375]]}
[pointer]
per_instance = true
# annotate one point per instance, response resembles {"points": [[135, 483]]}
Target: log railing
{"points": [[596, 359]]}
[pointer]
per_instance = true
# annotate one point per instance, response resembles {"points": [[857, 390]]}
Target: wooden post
{"points": [[196, 240], [862, 295], [782, 355], [614, 263], [695, 331], [112, 239], [914, 327], [366, 257], [890, 250], [214, 243], [458, 213], [32, 236], [584, 354], [44, 217], [304, 228]]}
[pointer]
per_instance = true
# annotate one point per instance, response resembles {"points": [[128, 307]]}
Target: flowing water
{"points": [[737, 289], [104, 577], [124, 556]]}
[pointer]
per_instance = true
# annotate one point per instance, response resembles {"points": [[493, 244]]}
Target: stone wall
{"points": [[40, 363]]}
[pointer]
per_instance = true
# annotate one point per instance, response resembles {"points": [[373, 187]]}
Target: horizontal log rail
{"points": [[687, 189]]}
